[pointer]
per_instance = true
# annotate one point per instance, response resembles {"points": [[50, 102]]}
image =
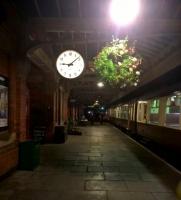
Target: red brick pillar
{"points": [[12, 96], [22, 97], [65, 114]]}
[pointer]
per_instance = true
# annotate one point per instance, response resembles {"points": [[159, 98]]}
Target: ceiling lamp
{"points": [[100, 84], [123, 12]]}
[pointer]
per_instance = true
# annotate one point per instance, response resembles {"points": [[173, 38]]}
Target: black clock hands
{"points": [[73, 61], [69, 64]]}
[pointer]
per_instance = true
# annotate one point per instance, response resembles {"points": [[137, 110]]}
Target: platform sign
{"points": [[3, 103]]}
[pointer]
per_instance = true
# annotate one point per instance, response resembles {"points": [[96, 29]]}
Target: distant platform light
{"points": [[100, 84], [123, 12]]}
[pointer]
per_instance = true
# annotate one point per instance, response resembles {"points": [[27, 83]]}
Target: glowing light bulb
{"points": [[123, 12], [100, 84]]}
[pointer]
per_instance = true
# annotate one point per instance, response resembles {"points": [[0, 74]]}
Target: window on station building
{"points": [[3, 104], [173, 111]]}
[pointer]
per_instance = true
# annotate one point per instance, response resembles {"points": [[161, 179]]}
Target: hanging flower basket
{"points": [[118, 64]]}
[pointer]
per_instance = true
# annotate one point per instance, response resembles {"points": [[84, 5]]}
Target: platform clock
{"points": [[70, 64]]}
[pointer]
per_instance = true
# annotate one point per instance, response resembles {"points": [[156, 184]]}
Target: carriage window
{"points": [[141, 112], [124, 112], [155, 107], [173, 110], [154, 111], [173, 104]]}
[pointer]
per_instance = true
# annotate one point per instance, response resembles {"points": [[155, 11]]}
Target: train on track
{"points": [[152, 112]]}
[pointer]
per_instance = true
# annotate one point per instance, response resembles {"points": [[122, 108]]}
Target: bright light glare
{"points": [[124, 12], [100, 84]]}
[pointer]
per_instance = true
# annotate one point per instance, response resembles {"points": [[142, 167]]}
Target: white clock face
{"points": [[70, 64]]}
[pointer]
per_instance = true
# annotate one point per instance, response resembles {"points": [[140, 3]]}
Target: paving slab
{"points": [[101, 164]]}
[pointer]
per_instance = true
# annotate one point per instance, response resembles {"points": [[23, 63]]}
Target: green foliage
{"points": [[117, 63]]}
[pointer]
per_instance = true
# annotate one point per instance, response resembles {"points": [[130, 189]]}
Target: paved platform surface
{"points": [[101, 164]]}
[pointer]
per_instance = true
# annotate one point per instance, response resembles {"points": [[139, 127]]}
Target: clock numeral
{"points": [[70, 75], [70, 53], [61, 59], [65, 55], [75, 74]]}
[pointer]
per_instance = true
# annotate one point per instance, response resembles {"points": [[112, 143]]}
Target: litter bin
{"points": [[29, 155], [60, 135]]}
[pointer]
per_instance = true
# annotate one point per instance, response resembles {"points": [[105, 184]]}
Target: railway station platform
{"points": [[101, 164]]}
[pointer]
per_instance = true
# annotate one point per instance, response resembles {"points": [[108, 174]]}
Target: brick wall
{"points": [[41, 96], [3, 65], [18, 112], [8, 149], [22, 109], [8, 158]]}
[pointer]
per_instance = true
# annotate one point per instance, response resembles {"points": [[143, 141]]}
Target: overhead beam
{"points": [[93, 92], [70, 24], [37, 7], [165, 40], [167, 51], [152, 43], [68, 42], [79, 24], [145, 50], [59, 8], [79, 8], [177, 12], [85, 46]]}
